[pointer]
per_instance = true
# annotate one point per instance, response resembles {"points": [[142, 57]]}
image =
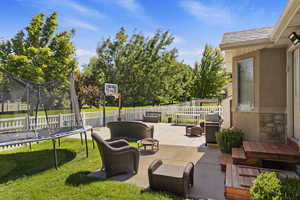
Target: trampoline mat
{"points": [[7, 138]]}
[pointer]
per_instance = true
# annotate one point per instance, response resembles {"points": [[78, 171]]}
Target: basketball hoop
{"points": [[111, 89], [116, 96]]}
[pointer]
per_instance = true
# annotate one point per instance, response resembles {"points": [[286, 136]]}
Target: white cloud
{"points": [[84, 55], [85, 52], [131, 5], [66, 4], [208, 13], [79, 24], [79, 8], [193, 52], [190, 56], [178, 40]]}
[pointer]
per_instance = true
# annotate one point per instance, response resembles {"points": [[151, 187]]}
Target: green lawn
{"points": [[26, 174]]}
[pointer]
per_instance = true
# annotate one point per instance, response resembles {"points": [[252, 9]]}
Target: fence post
{"points": [[83, 119], [27, 121], [100, 117], [60, 120]]}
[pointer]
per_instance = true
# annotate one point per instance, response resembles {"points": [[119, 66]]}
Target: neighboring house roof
{"points": [[246, 37]]}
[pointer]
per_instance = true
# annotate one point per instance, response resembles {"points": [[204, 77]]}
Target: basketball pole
{"points": [[120, 106], [103, 110]]}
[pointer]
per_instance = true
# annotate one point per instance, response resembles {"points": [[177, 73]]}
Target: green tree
{"points": [[145, 68], [210, 75], [88, 87], [39, 53]]}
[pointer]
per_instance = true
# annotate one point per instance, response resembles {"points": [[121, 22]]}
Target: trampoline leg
{"points": [[81, 138], [30, 145], [55, 155], [86, 145], [93, 139], [59, 142]]}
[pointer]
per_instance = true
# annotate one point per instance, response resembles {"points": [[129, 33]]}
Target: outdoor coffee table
{"points": [[148, 142]]}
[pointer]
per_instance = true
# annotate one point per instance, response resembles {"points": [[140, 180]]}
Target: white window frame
{"points": [[250, 107]]}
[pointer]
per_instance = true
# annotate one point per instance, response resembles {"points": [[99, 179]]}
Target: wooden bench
{"points": [[152, 116]]}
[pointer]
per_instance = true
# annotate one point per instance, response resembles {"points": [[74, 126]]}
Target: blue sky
{"points": [[192, 22]]}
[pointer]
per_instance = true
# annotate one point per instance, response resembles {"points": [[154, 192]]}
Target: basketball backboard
{"points": [[110, 89]]}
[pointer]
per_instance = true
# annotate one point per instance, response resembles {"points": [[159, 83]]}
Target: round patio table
{"points": [[148, 142]]}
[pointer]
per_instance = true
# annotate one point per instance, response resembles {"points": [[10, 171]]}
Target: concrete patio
{"points": [[178, 149], [167, 134], [208, 177]]}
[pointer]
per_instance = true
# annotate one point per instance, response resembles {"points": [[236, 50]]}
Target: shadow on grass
{"points": [[80, 178], [161, 193], [21, 164]]}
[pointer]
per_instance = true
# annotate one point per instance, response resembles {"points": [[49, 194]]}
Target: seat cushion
{"points": [[170, 171]]}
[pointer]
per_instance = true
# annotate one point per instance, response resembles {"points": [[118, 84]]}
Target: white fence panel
{"points": [[96, 118]]}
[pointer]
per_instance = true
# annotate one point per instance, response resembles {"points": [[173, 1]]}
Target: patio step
{"points": [[239, 157], [271, 151], [224, 160], [238, 154]]}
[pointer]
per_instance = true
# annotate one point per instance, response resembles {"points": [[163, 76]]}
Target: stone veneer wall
{"points": [[272, 127]]}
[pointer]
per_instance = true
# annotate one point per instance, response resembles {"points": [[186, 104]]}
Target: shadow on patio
{"points": [[208, 178]]}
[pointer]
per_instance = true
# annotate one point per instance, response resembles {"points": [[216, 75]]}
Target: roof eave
{"points": [[242, 44], [289, 12]]}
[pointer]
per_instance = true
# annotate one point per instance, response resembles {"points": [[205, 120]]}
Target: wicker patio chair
{"points": [[194, 130], [171, 178], [117, 156]]}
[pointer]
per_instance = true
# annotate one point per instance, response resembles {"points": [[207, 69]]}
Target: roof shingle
{"points": [[247, 35]]}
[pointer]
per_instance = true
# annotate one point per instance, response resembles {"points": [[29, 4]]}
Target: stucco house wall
{"points": [[267, 120]]}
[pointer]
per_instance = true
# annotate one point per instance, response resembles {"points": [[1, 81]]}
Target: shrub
{"points": [[290, 188], [266, 187], [228, 138]]}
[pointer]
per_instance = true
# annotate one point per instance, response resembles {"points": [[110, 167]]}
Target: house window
{"points": [[245, 84]]}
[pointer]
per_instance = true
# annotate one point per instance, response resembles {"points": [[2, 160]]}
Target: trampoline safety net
{"points": [[31, 110]]}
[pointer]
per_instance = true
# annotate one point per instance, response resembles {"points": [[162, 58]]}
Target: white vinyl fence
{"points": [[95, 119]]}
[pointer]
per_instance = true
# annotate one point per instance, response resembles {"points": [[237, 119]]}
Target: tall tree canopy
{"points": [[145, 68], [39, 53], [210, 74]]}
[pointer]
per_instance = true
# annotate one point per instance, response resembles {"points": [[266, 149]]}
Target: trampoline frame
{"points": [[33, 133], [53, 138]]}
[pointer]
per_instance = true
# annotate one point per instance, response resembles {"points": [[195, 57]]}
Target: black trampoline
{"points": [[33, 112]]}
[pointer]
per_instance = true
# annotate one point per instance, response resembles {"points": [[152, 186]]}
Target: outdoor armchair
{"points": [[117, 156], [194, 130]]}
